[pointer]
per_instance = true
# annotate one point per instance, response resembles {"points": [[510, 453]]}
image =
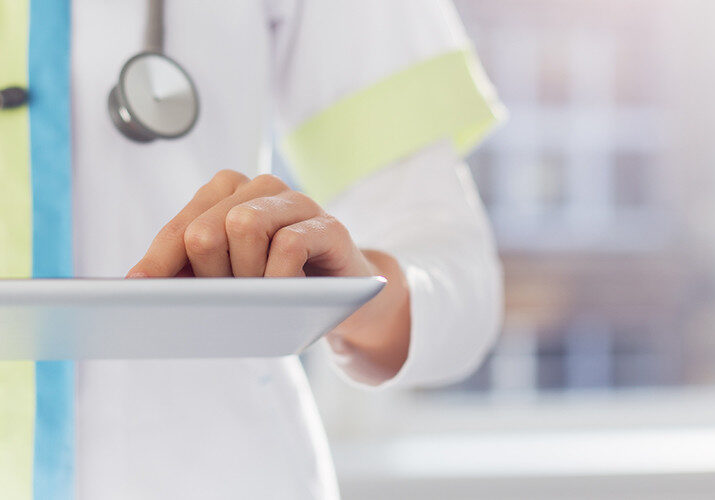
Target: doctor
{"points": [[373, 103]]}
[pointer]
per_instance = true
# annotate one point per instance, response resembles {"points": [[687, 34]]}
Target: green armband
{"points": [[447, 97]]}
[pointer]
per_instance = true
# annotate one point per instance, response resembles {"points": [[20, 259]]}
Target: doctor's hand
{"points": [[236, 226]]}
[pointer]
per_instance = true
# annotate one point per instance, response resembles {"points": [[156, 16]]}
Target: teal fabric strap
{"points": [[447, 97], [49, 83]]}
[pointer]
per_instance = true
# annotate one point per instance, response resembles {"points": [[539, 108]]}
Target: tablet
{"points": [[173, 318]]}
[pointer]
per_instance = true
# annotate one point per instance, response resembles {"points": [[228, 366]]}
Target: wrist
{"points": [[373, 343]]}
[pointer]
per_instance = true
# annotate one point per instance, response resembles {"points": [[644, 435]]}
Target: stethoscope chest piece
{"points": [[154, 98]]}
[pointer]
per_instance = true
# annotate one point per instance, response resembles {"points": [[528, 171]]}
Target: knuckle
{"points": [[227, 176], [245, 221], [202, 239], [289, 242], [336, 226], [269, 182], [303, 199]]}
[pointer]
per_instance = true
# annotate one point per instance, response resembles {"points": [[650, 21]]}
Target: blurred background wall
{"points": [[601, 191], [593, 191]]}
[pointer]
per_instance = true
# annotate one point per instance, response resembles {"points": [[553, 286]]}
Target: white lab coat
{"points": [[234, 428]]}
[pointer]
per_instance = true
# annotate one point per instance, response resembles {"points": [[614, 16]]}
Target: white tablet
{"points": [[173, 318]]}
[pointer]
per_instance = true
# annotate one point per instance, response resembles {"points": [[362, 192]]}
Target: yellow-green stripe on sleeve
{"points": [[17, 424], [17, 379], [15, 200], [446, 97]]}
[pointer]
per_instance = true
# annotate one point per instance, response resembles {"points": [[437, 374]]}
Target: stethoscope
{"points": [[154, 98]]}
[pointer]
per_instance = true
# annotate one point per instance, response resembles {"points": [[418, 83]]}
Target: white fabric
{"points": [[382, 37], [425, 211], [220, 429]]}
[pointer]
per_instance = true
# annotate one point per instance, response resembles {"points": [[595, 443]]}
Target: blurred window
{"points": [[554, 85], [577, 192], [631, 180], [552, 180]]}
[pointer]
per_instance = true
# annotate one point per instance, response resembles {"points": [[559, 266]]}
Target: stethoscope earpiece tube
{"points": [[13, 97], [154, 35]]}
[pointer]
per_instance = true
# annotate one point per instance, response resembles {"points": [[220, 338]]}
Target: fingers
{"points": [[250, 227], [238, 227], [167, 254], [206, 240], [321, 239]]}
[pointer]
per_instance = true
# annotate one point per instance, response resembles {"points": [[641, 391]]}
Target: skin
{"points": [[241, 227]]}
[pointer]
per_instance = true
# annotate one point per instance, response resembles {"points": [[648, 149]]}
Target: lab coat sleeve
{"points": [[361, 84], [426, 212], [377, 103]]}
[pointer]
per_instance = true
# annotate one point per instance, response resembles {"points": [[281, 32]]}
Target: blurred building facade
{"points": [[593, 189]]}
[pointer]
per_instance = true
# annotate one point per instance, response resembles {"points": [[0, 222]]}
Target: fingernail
{"points": [[136, 275]]}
